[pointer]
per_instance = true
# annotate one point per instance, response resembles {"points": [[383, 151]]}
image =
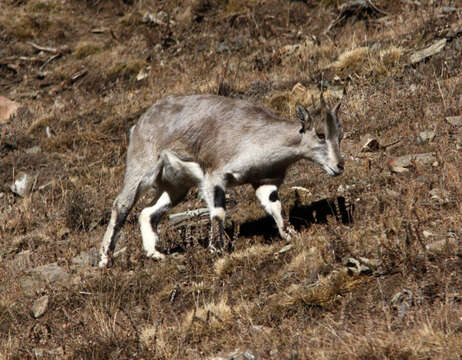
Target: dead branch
{"points": [[43, 48]]}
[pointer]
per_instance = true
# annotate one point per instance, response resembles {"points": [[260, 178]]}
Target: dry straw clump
{"points": [[86, 48], [210, 317], [255, 255], [322, 293], [365, 60]]}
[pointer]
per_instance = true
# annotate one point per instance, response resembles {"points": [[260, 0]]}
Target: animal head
{"points": [[323, 147]]}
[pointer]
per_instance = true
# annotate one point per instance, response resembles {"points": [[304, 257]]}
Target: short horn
{"points": [[321, 99]]}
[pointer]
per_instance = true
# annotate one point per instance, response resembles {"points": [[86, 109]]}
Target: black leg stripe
{"points": [[219, 199], [274, 196]]}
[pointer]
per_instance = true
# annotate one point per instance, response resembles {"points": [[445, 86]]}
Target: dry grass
{"points": [[297, 302]]}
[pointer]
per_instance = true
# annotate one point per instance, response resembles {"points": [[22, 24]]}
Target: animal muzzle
{"points": [[336, 170]]}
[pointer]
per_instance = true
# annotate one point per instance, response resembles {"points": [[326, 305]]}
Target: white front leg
{"points": [[268, 197]]}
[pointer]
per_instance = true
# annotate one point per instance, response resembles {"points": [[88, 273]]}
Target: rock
{"points": [[444, 245], [260, 329], [8, 109], [235, 355], [402, 301], [427, 234], [162, 18], [454, 120], [392, 193], [369, 144], [143, 74], [400, 164], [33, 150], [426, 136], [52, 273], [433, 49], [42, 353], [284, 249], [86, 258], [40, 306], [21, 262], [23, 184], [356, 267], [223, 48], [31, 286], [439, 195], [448, 9]]}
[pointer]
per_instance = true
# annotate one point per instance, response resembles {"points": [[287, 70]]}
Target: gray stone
{"points": [[34, 237], [401, 163], [427, 234], [161, 18], [43, 353], [31, 286], [440, 195], [21, 262], [426, 136], [448, 9], [439, 246], [223, 48], [356, 267], [392, 193], [85, 258], [454, 120], [40, 306], [22, 184], [235, 355], [433, 49], [52, 273], [369, 143], [33, 150]]}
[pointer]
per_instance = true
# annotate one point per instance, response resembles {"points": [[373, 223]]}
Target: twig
{"points": [[31, 59], [390, 144], [50, 60], [43, 48], [441, 93], [377, 9], [78, 75], [179, 217]]}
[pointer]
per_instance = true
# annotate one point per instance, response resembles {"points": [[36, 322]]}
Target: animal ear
{"points": [[304, 117], [331, 126]]}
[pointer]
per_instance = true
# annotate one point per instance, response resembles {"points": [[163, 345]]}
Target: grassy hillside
{"points": [[374, 271]]}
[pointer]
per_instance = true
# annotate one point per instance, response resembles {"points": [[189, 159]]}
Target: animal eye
{"points": [[321, 136]]}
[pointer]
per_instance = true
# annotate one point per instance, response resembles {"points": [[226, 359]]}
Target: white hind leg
{"points": [[120, 209], [175, 178], [149, 219]]}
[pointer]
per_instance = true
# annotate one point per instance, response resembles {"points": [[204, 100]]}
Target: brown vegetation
{"points": [[102, 63]]}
